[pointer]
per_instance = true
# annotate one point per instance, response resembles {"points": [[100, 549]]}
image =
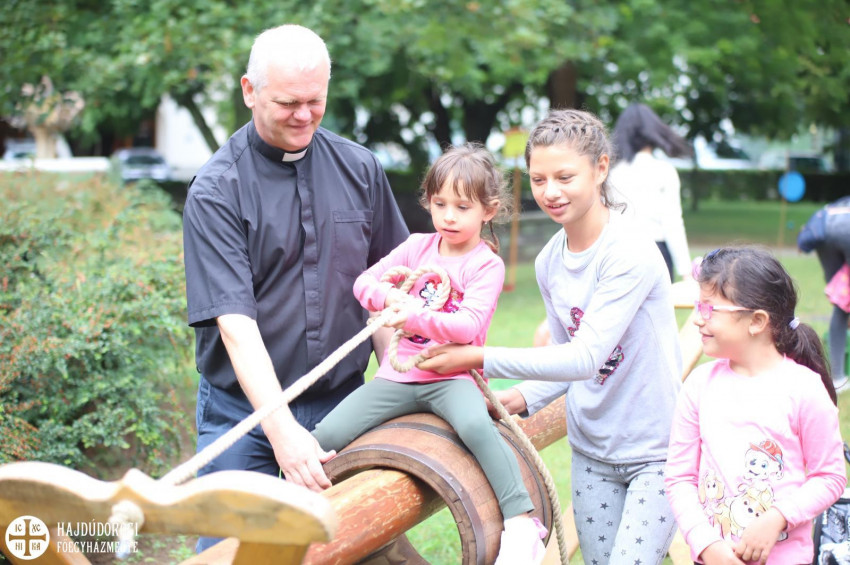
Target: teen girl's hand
{"points": [[512, 399], [452, 358], [720, 553], [760, 536]]}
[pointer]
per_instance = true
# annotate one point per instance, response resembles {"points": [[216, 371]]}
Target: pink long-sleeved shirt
{"points": [[740, 445], [476, 280]]}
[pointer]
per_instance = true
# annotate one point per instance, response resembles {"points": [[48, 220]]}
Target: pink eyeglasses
{"points": [[705, 309]]}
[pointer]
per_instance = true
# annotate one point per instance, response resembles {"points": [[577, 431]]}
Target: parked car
{"points": [[19, 149], [713, 155], [24, 148], [138, 163], [801, 161]]}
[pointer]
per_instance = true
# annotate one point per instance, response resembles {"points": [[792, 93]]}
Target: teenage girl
{"points": [[755, 452], [463, 190], [615, 346]]}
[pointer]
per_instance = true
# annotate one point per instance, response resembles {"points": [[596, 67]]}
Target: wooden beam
{"points": [[376, 506]]}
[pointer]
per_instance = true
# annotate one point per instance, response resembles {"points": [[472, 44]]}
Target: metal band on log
{"points": [[399, 474]]}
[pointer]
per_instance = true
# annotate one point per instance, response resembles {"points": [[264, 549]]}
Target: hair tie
{"points": [[794, 323], [696, 268]]}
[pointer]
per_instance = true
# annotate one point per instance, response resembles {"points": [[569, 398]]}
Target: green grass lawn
{"points": [[713, 225]]}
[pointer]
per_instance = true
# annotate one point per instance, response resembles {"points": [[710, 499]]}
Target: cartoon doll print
{"points": [[429, 293], [753, 496]]}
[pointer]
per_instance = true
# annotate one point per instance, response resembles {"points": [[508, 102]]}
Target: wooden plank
{"points": [[252, 506]]}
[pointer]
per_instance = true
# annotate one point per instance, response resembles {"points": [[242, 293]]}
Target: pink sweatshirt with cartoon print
{"points": [[476, 280], [740, 445]]}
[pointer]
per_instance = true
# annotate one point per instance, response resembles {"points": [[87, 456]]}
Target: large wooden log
{"points": [[376, 506]]}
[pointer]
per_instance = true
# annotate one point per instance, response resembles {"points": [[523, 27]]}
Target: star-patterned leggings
{"points": [[621, 512]]}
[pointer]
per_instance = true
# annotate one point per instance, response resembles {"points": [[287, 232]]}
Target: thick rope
{"points": [[128, 517], [443, 290], [557, 517], [187, 470]]}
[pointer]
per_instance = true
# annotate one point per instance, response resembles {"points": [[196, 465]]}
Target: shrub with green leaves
{"points": [[94, 347]]}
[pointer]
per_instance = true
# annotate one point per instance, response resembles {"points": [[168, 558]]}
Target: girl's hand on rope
{"points": [[395, 296], [402, 313], [452, 358], [512, 399], [300, 457]]}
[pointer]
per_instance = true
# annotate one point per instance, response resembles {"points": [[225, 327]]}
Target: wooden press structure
{"points": [[387, 481]]}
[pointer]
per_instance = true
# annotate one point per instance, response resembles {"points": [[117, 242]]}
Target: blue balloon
{"points": [[792, 186]]}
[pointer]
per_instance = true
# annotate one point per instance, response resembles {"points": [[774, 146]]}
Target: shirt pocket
{"points": [[352, 233]]}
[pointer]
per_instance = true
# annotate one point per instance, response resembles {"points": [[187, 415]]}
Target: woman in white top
{"points": [[650, 187]]}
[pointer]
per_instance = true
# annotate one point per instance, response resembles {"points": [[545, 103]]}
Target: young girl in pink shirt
{"points": [[755, 449], [464, 191]]}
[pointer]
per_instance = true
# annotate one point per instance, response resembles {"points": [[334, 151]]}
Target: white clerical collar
{"points": [[288, 157]]}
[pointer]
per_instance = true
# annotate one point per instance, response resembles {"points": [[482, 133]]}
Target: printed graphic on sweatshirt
{"points": [[731, 512], [429, 293], [614, 359]]}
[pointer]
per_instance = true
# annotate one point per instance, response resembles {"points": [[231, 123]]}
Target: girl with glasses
{"points": [[614, 351], [755, 450]]}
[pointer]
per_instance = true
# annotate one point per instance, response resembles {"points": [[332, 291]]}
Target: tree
{"points": [[45, 113], [406, 71]]}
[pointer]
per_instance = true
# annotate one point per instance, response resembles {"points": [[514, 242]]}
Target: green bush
{"points": [[94, 347]]}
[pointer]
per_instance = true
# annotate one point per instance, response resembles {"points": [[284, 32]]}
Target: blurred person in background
{"points": [[649, 186], [827, 233]]}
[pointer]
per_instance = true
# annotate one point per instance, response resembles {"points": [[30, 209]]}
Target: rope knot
{"points": [[127, 515], [404, 279]]}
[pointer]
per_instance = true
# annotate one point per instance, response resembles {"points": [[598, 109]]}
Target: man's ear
{"points": [[248, 92]]}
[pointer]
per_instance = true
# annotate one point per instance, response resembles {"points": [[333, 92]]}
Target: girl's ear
{"points": [[602, 168], [491, 210], [759, 322]]}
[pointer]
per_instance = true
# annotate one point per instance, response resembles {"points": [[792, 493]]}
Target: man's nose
{"points": [[302, 112]]}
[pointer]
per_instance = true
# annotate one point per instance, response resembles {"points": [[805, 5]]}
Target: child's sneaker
{"points": [[521, 542]]}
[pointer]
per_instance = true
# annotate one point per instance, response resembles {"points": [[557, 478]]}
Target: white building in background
{"points": [[179, 139]]}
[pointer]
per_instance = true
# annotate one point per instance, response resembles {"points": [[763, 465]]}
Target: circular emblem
{"points": [[27, 537]]}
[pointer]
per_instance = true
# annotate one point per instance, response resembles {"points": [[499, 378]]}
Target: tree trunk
{"points": [[561, 87], [479, 117], [241, 112], [45, 142], [188, 102], [442, 129]]}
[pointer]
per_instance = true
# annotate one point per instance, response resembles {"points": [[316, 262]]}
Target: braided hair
{"points": [[583, 132]]}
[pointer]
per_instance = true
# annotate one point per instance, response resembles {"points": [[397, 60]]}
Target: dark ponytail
{"points": [[752, 277], [804, 346]]}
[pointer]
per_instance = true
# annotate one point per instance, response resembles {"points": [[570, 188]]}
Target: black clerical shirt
{"points": [[282, 242]]}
